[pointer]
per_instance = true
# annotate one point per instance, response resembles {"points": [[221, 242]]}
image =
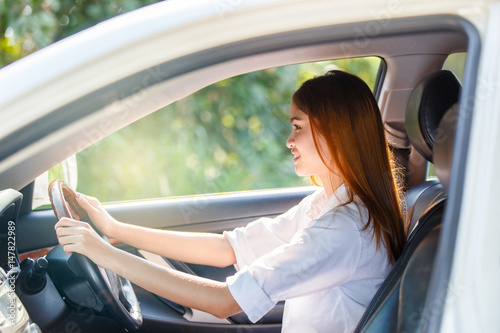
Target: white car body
{"points": [[140, 41]]}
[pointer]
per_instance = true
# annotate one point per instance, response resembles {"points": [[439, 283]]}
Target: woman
{"points": [[326, 257]]}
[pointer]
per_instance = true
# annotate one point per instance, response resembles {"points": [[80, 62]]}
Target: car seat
{"points": [[399, 304], [427, 104]]}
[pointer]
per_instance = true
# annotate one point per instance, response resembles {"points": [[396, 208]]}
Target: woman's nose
{"points": [[290, 142]]}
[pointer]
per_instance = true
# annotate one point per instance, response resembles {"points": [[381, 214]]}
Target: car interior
{"points": [[420, 103]]}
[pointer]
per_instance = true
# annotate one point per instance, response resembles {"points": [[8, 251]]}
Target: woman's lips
{"points": [[295, 159]]}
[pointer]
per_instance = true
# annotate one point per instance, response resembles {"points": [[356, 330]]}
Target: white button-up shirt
{"points": [[316, 257]]}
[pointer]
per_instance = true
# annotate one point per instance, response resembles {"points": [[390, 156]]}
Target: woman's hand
{"points": [[80, 237], [97, 214]]}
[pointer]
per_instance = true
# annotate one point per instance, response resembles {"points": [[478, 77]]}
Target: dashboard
{"points": [[13, 315]]}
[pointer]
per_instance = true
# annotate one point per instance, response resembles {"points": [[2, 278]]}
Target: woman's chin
{"points": [[301, 173]]}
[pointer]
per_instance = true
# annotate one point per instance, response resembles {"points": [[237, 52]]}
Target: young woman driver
{"points": [[325, 257]]}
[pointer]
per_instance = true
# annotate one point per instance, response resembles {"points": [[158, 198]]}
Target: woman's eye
{"points": [[296, 127]]}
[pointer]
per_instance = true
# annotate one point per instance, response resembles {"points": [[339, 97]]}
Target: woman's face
{"points": [[306, 158]]}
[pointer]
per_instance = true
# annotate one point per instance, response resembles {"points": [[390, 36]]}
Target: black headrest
{"points": [[428, 102], [443, 146]]}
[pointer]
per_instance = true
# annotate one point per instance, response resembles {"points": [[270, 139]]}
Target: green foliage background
{"points": [[29, 25], [229, 136]]}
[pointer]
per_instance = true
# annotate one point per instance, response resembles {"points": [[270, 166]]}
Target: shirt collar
{"points": [[320, 204]]}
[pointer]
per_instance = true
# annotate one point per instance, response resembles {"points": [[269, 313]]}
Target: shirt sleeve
{"points": [[322, 256], [263, 235]]}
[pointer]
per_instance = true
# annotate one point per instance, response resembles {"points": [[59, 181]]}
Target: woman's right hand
{"points": [[97, 214]]}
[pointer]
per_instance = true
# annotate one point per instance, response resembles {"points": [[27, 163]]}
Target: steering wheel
{"points": [[115, 292]]}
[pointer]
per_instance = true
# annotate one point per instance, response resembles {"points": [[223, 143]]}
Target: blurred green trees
{"points": [[229, 136], [29, 25]]}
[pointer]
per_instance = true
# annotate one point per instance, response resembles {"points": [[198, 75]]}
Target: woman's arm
{"points": [[196, 248], [191, 291]]}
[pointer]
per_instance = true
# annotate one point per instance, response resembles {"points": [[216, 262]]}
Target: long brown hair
{"points": [[342, 108]]}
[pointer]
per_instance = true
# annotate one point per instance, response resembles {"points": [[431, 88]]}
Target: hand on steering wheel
{"points": [[114, 291]]}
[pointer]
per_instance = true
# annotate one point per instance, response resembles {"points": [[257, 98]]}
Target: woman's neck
{"points": [[331, 183]]}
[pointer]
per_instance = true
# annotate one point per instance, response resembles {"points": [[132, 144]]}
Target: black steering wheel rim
{"points": [[114, 291]]}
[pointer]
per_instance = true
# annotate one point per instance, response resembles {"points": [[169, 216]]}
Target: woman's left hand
{"points": [[80, 237]]}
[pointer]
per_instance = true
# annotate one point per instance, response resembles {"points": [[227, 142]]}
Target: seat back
{"points": [[428, 102], [419, 198], [398, 305], [399, 301]]}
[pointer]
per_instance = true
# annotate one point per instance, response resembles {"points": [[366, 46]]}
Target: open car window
{"points": [[229, 136]]}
